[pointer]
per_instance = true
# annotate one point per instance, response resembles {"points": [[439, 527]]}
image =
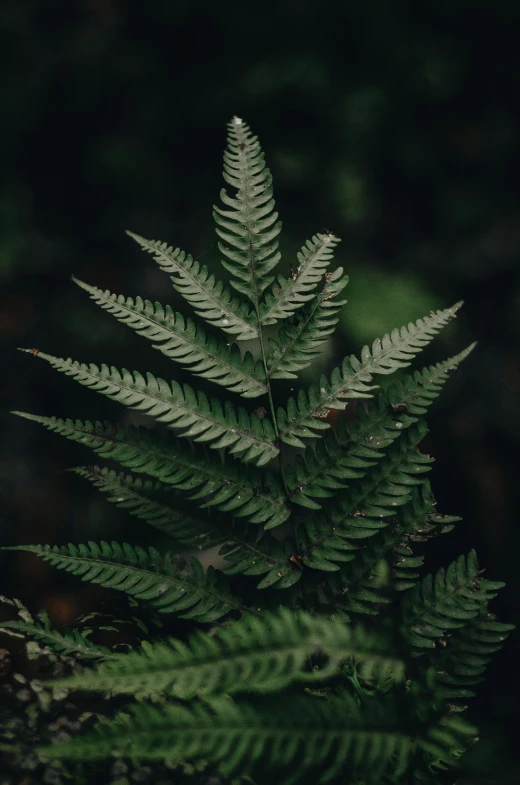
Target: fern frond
{"points": [[151, 502], [210, 298], [69, 643], [358, 585], [248, 227], [240, 490], [462, 663], [362, 511], [201, 419], [324, 470], [145, 575], [446, 740], [185, 342], [255, 654], [325, 737], [445, 602], [352, 380], [300, 341], [288, 295], [241, 549]]}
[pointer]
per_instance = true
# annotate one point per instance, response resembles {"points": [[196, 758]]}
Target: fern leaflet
{"points": [[353, 379], [210, 299], [185, 342]]}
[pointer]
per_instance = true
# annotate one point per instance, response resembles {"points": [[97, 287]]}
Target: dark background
{"points": [[393, 123]]}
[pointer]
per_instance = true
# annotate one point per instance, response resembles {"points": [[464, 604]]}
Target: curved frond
{"points": [[301, 340], [185, 342], [167, 583], [364, 509], [339, 458], [288, 295], [201, 419], [254, 654], [324, 737], [210, 298], [353, 380], [242, 491], [445, 602], [248, 226]]}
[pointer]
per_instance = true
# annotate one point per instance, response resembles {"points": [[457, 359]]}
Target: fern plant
{"points": [[331, 656]]}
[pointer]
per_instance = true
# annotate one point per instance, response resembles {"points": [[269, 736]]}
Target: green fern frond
{"points": [[147, 576], [211, 299], [246, 435], [288, 295], [445, 602], [148, 501], [185, 342], [301, 340], [387, 563], [362, 511], [395, 350], [347, 455], [310, 734], [248, 227], [254, 654], [241, 549], [463, 661], [69, 643], [242, 491], [446, 740]]}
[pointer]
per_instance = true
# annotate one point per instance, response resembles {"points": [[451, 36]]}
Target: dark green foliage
{"points": [[335, 525]]}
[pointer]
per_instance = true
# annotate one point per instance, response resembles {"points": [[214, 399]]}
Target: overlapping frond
{"points": [[154, 503], [445, 602], [347, 455], [167, 584], [245, 554], [185, 342], [255, 654], [300, 419], [365, 508], [310, 735], [249, 436], [387, 563], [242, 491], [301, 340], [248, 227], [290, 294], [462, 662], [211, 300]]}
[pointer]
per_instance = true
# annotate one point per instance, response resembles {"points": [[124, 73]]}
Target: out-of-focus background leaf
{"points": [[393, 124]]}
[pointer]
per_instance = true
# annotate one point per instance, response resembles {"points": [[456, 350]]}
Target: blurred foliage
{"points": [[393, 124]]}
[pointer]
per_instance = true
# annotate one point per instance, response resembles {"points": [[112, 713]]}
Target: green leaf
{"points": [[201, 419], [288, 295], [395, 350], [166, 583], [210, 298], [339, 459], [324, 737], [255, 654], [446, 601], [248, 226], [69, 643], [302, 339], [364, 509], [185, 342], [242, 491]]}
